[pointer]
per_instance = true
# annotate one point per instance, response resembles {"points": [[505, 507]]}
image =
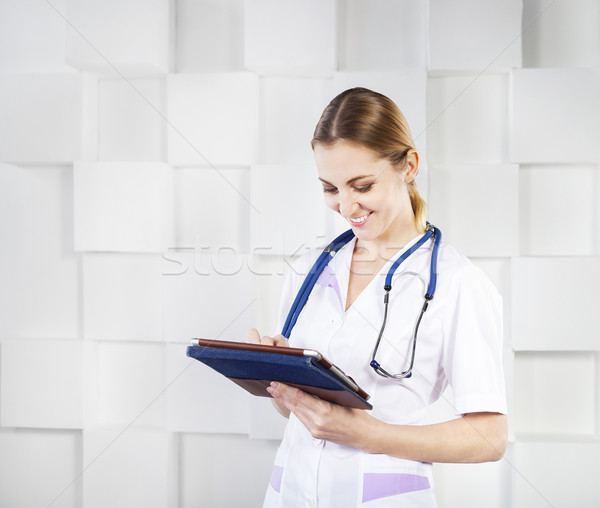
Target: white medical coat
{"points": [[459, 343]]}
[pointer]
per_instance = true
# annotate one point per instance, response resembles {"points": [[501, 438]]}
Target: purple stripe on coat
{"points": [[276, 475], [377, 485], [328, 279]]}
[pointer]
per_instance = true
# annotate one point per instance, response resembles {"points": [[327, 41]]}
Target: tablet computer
{"points": [[254, 366]]}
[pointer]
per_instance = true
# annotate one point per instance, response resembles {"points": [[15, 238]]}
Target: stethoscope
{"points": [[327, 255]]}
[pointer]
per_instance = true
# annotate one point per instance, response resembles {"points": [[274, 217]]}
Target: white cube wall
{"points": [[52, 457], [207, 295], [135, 467], [195, 391], [35, 32], [131, 120], [290, 110], [467, 119], [123, 206], [136, 41], [122, 297], [41, 117], [290, 37], [41, 384], [212, 119], [209, 36], [561, 33], [294, 224], [124, 384], [211, 464], [554, 304], [539, 482], [212, 209], [459, 194], [39, 295], [369, 30], [494, 24], [551, 404], [555, 116], [558, 210]]}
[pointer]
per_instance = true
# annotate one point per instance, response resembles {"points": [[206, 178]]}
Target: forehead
{"points": [[347, 160]]}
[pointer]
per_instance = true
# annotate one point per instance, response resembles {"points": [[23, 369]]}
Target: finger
{"points": [[267, 341], [253, 336], [280, 340]]}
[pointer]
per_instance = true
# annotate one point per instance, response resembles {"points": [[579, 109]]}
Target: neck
{"points": [[387, 245]]}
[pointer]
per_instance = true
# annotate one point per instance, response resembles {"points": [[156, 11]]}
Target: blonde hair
{"points": [[372, 120]]}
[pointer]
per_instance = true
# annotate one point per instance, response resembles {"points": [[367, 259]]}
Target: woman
{"points": [[335, 456]]}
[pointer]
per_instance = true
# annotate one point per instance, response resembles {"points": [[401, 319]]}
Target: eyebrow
{"points": [[349, 182]]}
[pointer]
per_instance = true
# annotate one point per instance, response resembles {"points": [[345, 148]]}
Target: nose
{"points": [[347, 204]]}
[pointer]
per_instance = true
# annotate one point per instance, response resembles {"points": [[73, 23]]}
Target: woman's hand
{"points": [[279, 340], [255, 338], [323, 419]]}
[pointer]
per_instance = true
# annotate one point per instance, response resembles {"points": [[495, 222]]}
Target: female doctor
{"points": [[333, 456]]}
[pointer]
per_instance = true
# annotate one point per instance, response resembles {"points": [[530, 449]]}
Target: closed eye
{"points": [[364, 188], [329, 190]]}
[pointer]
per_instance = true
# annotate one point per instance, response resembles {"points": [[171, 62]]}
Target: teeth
{"points": [[358, 220]]}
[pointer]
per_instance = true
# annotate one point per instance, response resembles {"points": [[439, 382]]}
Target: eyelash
{"points": [[362, 189]]}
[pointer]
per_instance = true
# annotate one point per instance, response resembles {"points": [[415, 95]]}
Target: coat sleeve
{"points": [[473, 343]]}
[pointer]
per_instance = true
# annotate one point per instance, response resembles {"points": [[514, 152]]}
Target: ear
{"points": [[412, 166]]}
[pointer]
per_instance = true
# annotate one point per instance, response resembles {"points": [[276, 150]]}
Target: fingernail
{"points": [[274, 384]]}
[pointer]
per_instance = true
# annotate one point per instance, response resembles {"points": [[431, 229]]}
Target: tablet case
{"points": [[254, 370]]}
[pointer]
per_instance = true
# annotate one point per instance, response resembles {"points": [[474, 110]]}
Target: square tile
{"points": [[213, 119], [291, 38]]}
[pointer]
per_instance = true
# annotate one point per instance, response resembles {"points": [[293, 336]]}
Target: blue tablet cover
{"points": [[254, 370]]}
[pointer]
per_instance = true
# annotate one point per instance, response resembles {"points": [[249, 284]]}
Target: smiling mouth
{"points": [[359, 220]]}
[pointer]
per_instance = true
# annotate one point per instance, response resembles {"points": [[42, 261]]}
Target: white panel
{"points": [[467, 119], [561, 33], [224, 471], [131, 123], [202, 400], [213, 118], [207, 295], [383, 35], [471, 34], [290, 37], [466, 485], [131, 36], [40, 468], [265, 420], [290, 110], [210, 35], [41, 384], [561, 475], [39, 294], [268, 277], [407, 89], [290, 211], [555, 303], [476, 207], [548, 402], [124, 384], [212, 208], [132, 468], [123, 206], [555, 116], [122, 297], [41, 118], [35, 33], [557, 210]]}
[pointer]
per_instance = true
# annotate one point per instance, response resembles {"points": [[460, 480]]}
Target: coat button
{"points": [[318, 442]]}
